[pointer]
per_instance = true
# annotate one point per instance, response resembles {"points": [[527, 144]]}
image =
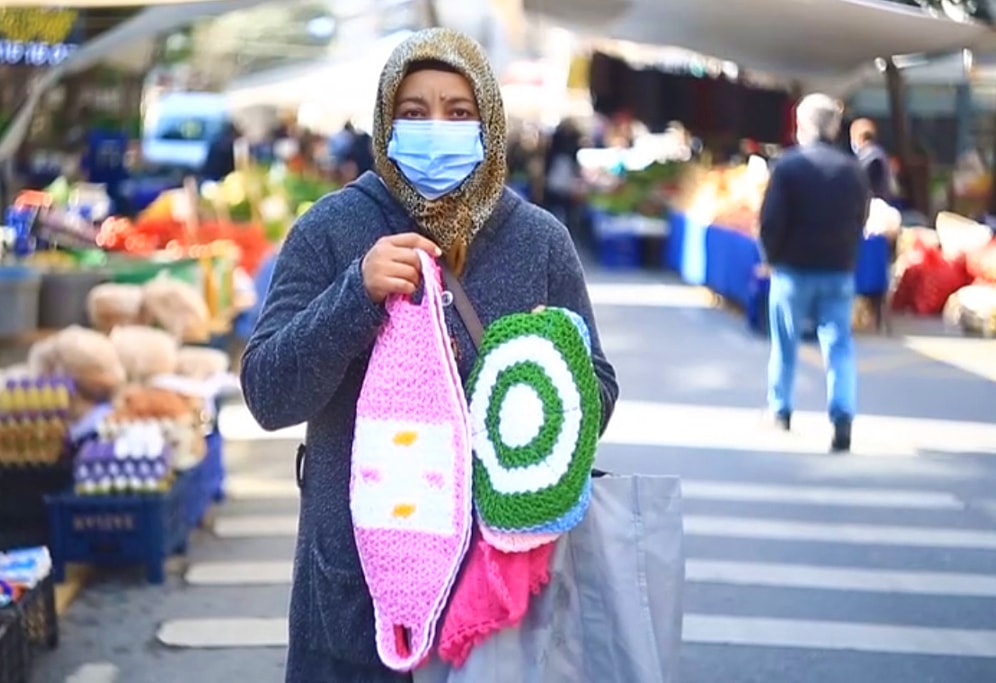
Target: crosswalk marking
{"points": [[259, 488], [102, 672], [246, 487], [261, 526], [656, 295], [697, 628], [256, 526], [944, 584], [829, 635], [239, 573], [818, 495], [862, 534], [223, 633], [643, 423]]}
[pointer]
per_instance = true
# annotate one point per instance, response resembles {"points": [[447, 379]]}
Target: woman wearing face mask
{"points": [[439, 146]]}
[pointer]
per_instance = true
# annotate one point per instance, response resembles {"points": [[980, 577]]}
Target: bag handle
{"points": [[464, 307]]}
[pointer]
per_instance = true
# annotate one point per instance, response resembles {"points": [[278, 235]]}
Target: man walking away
{"points": [[812, 222], [873, 159]]}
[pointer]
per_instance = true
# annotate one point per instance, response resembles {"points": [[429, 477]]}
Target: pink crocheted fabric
{"points": [[410, 489], [515, 542], [492, 594]]}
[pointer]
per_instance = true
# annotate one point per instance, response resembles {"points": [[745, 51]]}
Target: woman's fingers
{"points": [[413, 240], [396, 270]]}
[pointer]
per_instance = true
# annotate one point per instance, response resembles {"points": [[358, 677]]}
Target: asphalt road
{"points": [[879, 566]]}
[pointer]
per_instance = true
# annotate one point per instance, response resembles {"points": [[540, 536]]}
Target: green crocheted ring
{"points": [[535, 412]]}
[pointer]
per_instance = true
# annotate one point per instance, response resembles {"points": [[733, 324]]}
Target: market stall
{"points": [[728, 262], [28, 620], [109, 453], [796, 41]]}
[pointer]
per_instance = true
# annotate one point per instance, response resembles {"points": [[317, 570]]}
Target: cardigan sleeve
{"points": [[316, 320], [566, 288]]}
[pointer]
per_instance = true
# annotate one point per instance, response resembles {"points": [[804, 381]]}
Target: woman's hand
{"points": [[392, 266]]}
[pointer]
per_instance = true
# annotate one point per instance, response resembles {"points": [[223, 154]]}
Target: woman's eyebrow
{"points": [[413, 99], [459, 99]]}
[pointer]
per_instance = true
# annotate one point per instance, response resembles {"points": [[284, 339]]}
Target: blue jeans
{"points": [[826, 299]]}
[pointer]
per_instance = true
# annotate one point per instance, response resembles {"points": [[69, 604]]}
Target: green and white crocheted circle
{"points": [[535, 411]]}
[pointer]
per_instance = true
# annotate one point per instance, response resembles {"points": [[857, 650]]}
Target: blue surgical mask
{"points": [[436, 156]]}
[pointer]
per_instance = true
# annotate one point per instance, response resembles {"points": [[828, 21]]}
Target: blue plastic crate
{"points": [[619, 251], [121, 530], [214, 465], [207, 485]]}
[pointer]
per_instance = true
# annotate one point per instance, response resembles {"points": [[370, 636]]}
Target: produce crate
{"points": [[15, 653], [24, 519], [628, 241], [214, 467], [28, 625], [208, 479], [41, 623], [618, 251], [122, 530]]}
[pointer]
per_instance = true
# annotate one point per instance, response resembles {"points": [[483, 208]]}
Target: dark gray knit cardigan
{"points": [[306, 360]]}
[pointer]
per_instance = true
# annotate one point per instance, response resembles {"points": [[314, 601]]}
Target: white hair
{"points": [[818, 117]]}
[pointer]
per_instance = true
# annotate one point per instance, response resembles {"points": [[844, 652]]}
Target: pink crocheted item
{"points": [[410, 489], [515, 542], [492, 594]]}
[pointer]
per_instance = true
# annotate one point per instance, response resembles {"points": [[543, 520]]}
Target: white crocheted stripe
{"points": [[403, 476], [542, 474]]}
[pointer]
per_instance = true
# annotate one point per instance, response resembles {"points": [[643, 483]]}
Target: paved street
{"points": [[876, 567]]}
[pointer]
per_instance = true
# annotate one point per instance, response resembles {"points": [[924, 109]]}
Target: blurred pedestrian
{"points": [[873, 159], [812, 224]]}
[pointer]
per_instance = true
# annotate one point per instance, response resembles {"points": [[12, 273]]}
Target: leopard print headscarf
{"points": [[452, 220]]}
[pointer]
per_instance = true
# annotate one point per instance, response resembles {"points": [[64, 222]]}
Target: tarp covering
{"points": [[335, 89], [807, 40], [150, 22]]}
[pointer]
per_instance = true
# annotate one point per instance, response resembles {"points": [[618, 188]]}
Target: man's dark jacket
{"points": [[878, 171], [814, 210]]}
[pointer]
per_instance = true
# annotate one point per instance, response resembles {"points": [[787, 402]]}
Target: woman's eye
{"points": [[462, 114], [411, 114]]}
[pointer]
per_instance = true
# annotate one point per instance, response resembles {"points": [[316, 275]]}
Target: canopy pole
{"points": [[904, 143]]}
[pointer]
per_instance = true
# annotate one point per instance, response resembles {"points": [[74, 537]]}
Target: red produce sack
{"points": [[928, 281]]}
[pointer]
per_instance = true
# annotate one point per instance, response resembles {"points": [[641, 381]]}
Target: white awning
{"points": [[144, 25], [95, 4], [805, 40]]}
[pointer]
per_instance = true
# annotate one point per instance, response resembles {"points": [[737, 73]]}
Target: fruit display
{"points": [[646, 192], [729, 196]]}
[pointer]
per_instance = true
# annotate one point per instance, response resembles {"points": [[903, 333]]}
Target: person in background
{"points": [[220, 159], [563, 173], [359, 157], [873, 159], [341, 143], [812, 222]]}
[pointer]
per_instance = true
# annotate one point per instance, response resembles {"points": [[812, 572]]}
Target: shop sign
{"points": [[37, 37]]}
